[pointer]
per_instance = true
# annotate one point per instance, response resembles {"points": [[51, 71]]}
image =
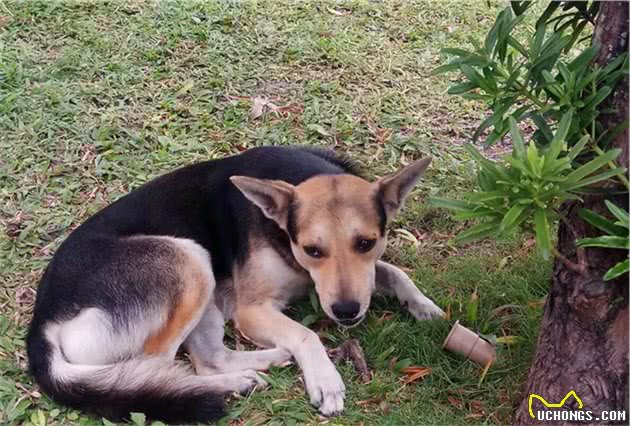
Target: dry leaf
{"points": [[536, 304], [458, 403], [508, 340], [406, 235], [338, 12], [447, 314], [415, 373]]}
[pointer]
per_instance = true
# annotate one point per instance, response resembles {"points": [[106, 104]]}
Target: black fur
{"points": [[196, 202]]}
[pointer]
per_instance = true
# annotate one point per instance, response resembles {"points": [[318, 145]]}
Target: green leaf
{"points": [[533, 159], [476, 78], [309, 319], [607, 241], [542, 21], [486, 195], [461, 88], [543, 236], [448, 203], [542, 125], [138, 419], [478, 232], [518, 46], [312, 295], [617, 270], [560, 137], [452, 66], [490, 167], [490, 121], [584, 58], [592, 179], [615, 63], [511, 216], [474, 214], [593, 165], [578, 147], [619, 213], [519, 7], [456, 52], [601, 223], [602, 94], [517, 140]]}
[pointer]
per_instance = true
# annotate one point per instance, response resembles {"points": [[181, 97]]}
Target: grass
{"points": [[97, 97]]}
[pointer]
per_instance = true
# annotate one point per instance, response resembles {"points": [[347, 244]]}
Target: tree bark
{"points": [[583, 340]]}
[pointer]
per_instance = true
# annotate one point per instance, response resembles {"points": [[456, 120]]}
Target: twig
{"points": [[351, 350], [569, 264]]}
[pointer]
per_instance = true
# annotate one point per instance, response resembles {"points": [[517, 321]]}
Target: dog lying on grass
{"points": [[237, 238]]}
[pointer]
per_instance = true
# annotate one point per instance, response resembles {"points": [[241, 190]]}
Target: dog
{"points": [[236, 238]]}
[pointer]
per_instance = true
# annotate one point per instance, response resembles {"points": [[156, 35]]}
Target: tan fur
{"points": [[327, 217], [333, 212], [279, 280], [192, 301]]}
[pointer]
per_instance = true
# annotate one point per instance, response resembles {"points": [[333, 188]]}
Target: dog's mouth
{"points": [[349, 323]]}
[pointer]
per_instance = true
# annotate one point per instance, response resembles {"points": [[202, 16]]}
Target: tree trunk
{"points": [[583, 340]]}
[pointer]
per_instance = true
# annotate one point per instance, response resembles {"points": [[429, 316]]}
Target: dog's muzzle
{"points": [[350, 322]]}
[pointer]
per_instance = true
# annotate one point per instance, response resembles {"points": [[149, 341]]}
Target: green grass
{"points": [[97, 97]]}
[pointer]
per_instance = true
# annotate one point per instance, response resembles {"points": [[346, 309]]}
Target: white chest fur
{"points": [[286, 283]]}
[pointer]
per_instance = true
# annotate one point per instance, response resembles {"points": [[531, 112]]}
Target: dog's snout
{"points": [[346, 309]]}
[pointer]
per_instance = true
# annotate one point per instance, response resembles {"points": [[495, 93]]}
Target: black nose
{"points": [[346, 309]]}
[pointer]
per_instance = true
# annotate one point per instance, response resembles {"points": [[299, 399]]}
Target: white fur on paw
{"points": [[244, 381], [325, 389], [425, 310], [280, 357]]}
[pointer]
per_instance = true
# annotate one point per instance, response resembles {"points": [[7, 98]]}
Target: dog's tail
{"points": [[150, 385]]}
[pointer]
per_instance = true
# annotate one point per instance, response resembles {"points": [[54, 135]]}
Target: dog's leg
{"points": [[268, 326], [210, 356], [391, 281]]}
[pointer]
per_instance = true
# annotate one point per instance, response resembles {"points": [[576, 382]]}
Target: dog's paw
{"points": [[325, 389], [278, 357], [242, 382], [424, 309]]}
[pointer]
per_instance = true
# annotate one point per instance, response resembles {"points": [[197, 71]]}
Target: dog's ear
{"points": [[393, 189], [272, 196]]}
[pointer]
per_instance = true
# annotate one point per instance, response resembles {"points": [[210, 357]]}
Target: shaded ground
{"points": [[98, 97]]}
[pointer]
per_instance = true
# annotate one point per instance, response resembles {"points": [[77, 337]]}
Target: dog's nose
{"points": [[346, 309]]}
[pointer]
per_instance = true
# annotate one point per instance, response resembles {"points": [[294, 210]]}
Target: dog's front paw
{"points": [[242, 382], [424, 309], [325, 389]]}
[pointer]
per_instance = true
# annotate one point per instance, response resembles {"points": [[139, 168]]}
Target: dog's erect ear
{"points": [[272, 196], [393, 189]]}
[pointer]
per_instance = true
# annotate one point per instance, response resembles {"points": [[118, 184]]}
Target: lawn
{"points": [[97, 97]]}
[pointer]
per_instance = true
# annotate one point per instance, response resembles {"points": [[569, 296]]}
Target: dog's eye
{"points": [[363, 245], [313, 251]]}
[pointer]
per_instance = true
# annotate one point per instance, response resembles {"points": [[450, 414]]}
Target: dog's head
{"points": [[336, 224]]}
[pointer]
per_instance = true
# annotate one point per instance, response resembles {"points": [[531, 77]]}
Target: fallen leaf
{"points": [[386, 316], [25, 295], [415, 373], [458, 403], [404, 234], [338, 12], [536, 303], [258, 107], [447, 314], [473, 416], [508, 340]]}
